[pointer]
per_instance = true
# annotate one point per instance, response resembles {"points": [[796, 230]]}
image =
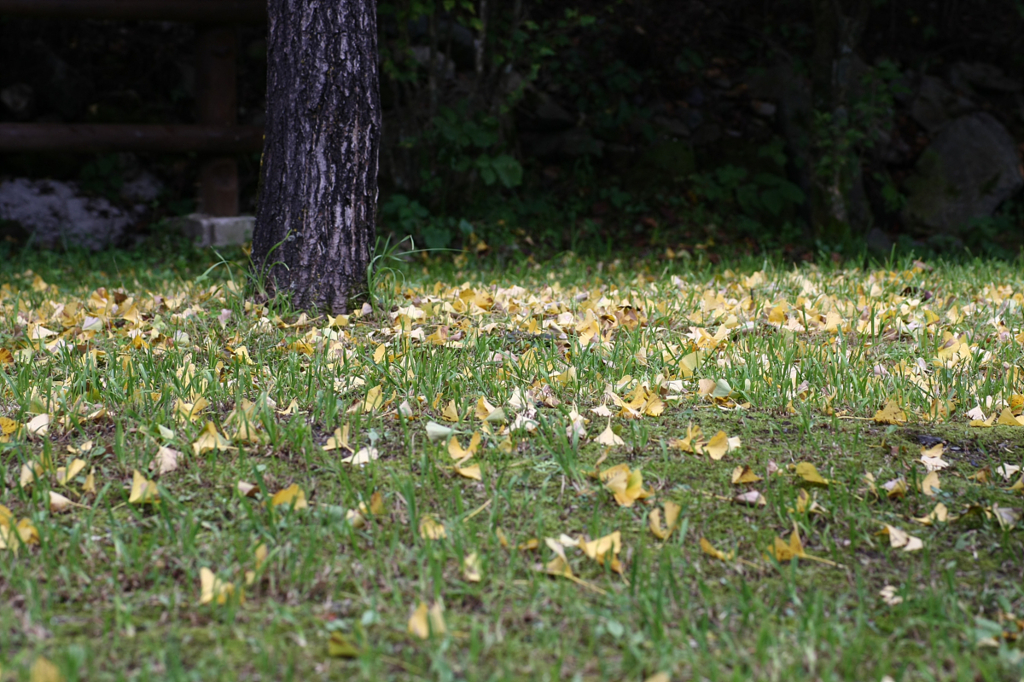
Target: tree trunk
{"points": [[314, 231]]}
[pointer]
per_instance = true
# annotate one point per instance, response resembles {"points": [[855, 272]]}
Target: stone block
{"points": [[207, 230]]}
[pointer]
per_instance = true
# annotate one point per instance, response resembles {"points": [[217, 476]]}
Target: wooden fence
{"points": [[217, 131]]}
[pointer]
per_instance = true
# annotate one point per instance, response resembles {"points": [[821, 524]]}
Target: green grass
{"points": [[111, 590]]}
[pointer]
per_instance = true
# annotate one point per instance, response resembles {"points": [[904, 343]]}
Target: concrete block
{"points": [[207, 230]]}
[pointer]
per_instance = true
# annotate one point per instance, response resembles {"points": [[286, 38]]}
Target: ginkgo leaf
{"points": [[1006, 418], [751, 498], [450, 412], [59, 503], [717, 446], [472, 471], [293, 496], [602, 547], [66, 474], [363, 456], [744, 474], [489, 413], [891, 413], [191, 411], [246, 489], [89, 486], [672, 511], [608, 437], [214, 590], [471, 568], [930, 485], [624, 484], [458, 453], [430, 529], [143, 490], [43, 670], [38, 426], [374, 399], [896, 488], [210, 439], [709, 549], [436, 432], [425, 620], [939, 514], [165, 461], [341, 646], [901, 539], [809, 473]]}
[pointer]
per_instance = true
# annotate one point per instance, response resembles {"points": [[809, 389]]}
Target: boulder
{"points": [[55, 214], [935, 104], [968, 170]]}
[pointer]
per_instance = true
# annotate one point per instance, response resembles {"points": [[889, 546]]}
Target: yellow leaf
{"points": [[896, 488], [891, 413], [363, 456], [744, 474], [260, 555], [143, 491], [437, 431], [30, 471], [810, 475], [930, 484], [339, 440], [659, 677], [214, 590], [191, 411], [340, 646], [374, 399], [59, 503], [38, 426], [210, 439], [608, 437], [379, 353], [899, 538], [472, 471], [430, 529], [1006, 418], [471, 568], [90, 482], [43, 670], [598, 549], [717, 446], [450, 412], [246, 489], [425, 621], [940, 513], [166, 461], [458, 453], [7, 426], [709, 549], [293, 496], [376, 503], [625, 485], [671, 519], [751, 498], [27, 532]]}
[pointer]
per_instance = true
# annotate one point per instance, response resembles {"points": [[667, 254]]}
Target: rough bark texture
{"points": [[318, 181]]}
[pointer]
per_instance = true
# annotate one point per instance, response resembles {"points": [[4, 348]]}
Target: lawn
{"points": [[659, 470]]}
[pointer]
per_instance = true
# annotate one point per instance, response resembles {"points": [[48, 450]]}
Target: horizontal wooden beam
{"points": [[219, 11], [62, 137]]}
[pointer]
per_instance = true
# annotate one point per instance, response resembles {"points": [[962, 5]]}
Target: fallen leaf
{"points": [[339, 440], [43, 670], [191, 411], [38, 426], [810, 475], [672, 511], [450, 412], [292, 496], [939, 513], [608, 437], [717, 446], [59, 503], [436, 431], [896, 488], [744, 474], [214, 590], [709, 549], [340, 646], [751, 498], [363, 456], [472, 472], [901, 539], [891, 413], [600, 548], [430, 529], [166, 461], [1006, 418], [143, 490], [625, 485], [889, 596], [210, 439], [425, 621], [471, 568], [930, 485], [246, 489], [456, 450]]}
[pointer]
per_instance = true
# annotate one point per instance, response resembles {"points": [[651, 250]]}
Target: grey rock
{"points": [[142, 189], [963, 76], [206, 230], [18, 99], [56, 215], [968, 170], [936, 104], [766, 109]]}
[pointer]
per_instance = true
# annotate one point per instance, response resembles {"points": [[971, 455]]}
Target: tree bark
{"points": [[314, 232]]}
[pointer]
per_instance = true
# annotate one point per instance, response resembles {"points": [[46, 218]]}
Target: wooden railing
{"points": [[216, 93]]}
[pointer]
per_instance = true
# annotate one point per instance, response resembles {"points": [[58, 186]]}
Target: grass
{"points": [[110, 588]]}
